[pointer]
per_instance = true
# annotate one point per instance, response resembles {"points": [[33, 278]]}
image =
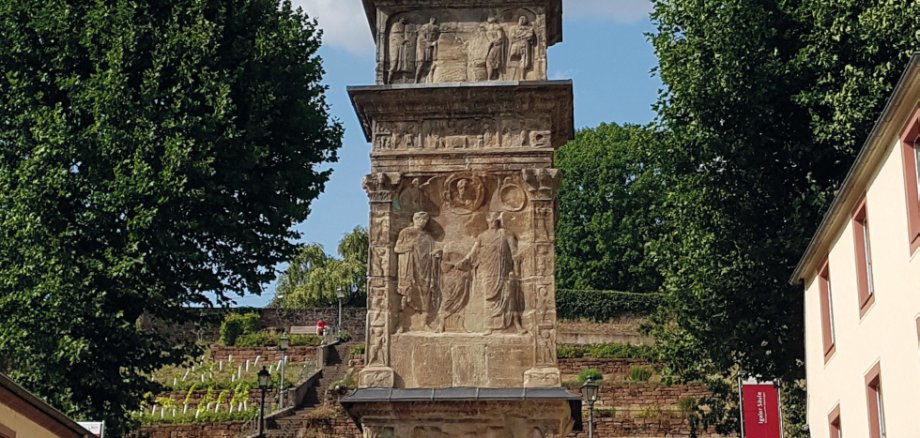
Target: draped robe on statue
{"points": [[495, 278], [418, 269]]}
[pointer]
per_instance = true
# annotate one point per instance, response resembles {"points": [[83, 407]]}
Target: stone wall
{"points": [[205, 430], [267, 354], [647, 396], [207, 327]]}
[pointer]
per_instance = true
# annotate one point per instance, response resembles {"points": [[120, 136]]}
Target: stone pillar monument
{"points": [[461, 325]]}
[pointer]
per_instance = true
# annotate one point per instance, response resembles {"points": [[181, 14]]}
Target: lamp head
{"points": [[589, 391], [265, 379], [340, 293], [284, 342]]}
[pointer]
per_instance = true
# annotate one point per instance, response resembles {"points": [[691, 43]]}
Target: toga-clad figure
{"points": [[426, 49], [399, 49], [419, 268], [523, 40], [495, 276], [495, 57]]}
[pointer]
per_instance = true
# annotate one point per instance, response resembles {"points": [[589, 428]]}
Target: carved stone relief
{"points": [[419, 270], [464, 193], [378, 432], [544, 223], [381, 186], [460, 45], [458, 134], [542, 183]]}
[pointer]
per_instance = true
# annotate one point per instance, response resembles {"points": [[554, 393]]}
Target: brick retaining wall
{"points": [[205, 430], [207, 327], [643, 395]]}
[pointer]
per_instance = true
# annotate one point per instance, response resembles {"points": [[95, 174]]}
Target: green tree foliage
{"points": [[313, 277], [766, 105], [607, 210], [153, 154]]}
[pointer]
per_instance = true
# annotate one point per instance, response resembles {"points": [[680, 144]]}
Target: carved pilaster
{"points": [[381, 190]]}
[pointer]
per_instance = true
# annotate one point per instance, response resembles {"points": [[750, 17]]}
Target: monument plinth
{"points": [[463, 124]]}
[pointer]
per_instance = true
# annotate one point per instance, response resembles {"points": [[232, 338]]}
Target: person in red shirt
{"points": [[321, 327]]}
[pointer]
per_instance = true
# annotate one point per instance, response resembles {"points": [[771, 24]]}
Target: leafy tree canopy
{"points": [[313, 277], [153, 155], [607, 210], [765, 107]]}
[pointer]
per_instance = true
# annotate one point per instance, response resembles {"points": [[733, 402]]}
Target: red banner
{"points": [[761, 411]]}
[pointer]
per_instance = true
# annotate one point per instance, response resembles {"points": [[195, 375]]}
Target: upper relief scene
{"points": [[458, 45]]}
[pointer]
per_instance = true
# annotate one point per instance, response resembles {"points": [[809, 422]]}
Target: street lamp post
{"points": [[589, 395], [283, 345], [265, 381], [340, 294]]}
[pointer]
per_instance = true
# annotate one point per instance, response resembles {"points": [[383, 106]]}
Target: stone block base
{"points": [[445, 360], [464, 413]]}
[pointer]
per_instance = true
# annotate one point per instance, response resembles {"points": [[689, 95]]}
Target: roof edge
{"points": [[43, 407], [862, 160]]}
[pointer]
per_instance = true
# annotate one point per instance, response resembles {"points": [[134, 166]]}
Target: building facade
{"points": [[23, 415], [861, 275]]}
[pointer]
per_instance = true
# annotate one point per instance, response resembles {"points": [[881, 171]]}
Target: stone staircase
{"points": [[292, 422]]}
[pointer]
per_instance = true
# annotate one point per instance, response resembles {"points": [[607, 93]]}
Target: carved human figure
{"points": [[376, 347], [546, 350], [523, 41], [426, 50], [496, 53], [456, 281], [419, 268], [465, 196], [495, 276], [399, 49]]}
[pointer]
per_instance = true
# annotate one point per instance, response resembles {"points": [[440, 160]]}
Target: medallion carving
{"points": [[464, 193]]}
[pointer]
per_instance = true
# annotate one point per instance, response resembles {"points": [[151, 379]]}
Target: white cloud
{"points": [[621, 11], [343, 22]]}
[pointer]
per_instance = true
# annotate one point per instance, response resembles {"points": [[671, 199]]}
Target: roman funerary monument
{"points": [[461, 325]]}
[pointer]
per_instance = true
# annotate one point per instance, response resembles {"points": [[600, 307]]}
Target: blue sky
{"points": [[604, 51]]}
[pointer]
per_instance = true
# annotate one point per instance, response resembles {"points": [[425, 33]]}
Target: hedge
{"points": [[606, 351], [602, 305]]}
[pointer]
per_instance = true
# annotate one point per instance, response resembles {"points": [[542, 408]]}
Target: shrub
{"points": [[165, 402], [343, 336], [257, 339], [687, 404], [237, 324], [191, 391], [605, 412], [357, 350], [590, 373], [568, 352], [273, 339], [639, 374], [306, 341]]}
